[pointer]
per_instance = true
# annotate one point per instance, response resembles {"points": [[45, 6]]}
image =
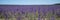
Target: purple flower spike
{"points": [[6, 16], [39, 17], [52, 18]]}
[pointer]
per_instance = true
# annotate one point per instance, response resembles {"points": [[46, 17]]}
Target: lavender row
{"points": [[21, 12]]}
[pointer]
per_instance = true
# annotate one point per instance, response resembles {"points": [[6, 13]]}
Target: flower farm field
{"points": [[29, 12]]}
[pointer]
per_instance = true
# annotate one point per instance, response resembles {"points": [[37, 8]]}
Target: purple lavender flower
{"points": [[6, 15]]}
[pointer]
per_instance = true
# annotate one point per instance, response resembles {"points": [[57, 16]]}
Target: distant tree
{"points": [[57, 4]]}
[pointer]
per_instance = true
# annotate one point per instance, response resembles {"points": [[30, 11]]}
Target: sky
{"points": [[29, 2]]}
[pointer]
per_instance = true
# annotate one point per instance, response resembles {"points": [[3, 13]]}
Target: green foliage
{"points": [[1, 17]]}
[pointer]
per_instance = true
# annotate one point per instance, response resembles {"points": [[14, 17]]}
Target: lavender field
{"points": [[29, 12]]}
